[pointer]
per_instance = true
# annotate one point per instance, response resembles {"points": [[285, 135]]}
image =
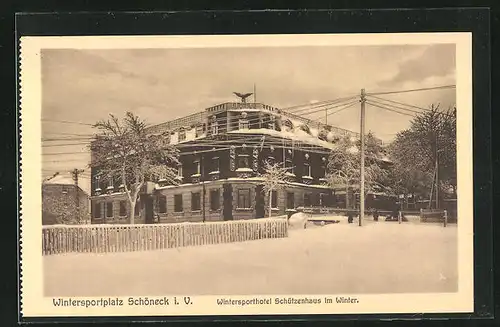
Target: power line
{"points": [[63, 153], [66, 139], [410, 110], [385, 108], [319, 105], [400, 103], [321, 110], [294, 108], [339, 110], [66, 122], [414, 90], [67, 144], [65, 160], [72, 134]]}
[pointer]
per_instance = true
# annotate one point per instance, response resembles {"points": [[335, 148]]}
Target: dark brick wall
{"points": [[187, 214]]}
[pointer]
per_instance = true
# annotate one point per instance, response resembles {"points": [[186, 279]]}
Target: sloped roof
{"points": [[64, 180], [60, 180]]}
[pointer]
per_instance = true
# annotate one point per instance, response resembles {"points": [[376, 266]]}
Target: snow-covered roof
{"points": [[67, 180], [60, 180], [296, 135]]}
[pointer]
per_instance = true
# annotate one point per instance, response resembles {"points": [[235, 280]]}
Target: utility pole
{"points": [[74, 173], [362, 172], [437, 170]]}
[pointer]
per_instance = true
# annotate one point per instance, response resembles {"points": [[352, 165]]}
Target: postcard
{"points": [[246, 174]]}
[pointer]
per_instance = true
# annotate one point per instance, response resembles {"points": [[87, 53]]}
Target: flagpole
{"points": [[254, 93]]}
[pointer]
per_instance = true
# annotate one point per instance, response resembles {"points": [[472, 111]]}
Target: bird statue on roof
{"points": [[243, 96]]}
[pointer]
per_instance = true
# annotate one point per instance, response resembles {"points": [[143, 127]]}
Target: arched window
{"points": [[288, 123]]}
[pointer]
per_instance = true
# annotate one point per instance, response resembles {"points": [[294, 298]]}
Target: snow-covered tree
{"points": [[344, 165], [124, 149], [274, 176], [430, 138]]}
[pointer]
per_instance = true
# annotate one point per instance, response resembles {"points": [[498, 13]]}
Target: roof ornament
{"points": [[242, 96]]}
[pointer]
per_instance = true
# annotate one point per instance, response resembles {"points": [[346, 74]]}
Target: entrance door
{"points": [[259, 202], [148, 209], [227, 211], [290, 200]]}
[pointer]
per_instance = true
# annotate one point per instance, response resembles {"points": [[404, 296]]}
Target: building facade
{"points": [[222, 154], [64, 203]]}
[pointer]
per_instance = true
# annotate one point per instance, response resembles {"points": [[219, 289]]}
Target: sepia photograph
{"points": [[254, 174]]}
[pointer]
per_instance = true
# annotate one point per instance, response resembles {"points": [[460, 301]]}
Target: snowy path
{"points": [[380, 257]]}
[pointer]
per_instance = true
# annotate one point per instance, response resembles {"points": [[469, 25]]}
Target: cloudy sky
{"points": [[161, 84]]}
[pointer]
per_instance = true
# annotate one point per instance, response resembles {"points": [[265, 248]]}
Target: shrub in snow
{"points": [[298, 221]]}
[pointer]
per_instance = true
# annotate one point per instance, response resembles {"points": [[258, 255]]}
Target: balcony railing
{"points": [[200, 117]]}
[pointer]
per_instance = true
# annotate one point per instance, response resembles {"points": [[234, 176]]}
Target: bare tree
{"points": [[124, 149], [274, 176]]}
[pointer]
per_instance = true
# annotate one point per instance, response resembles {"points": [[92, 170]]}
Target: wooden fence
{"points": [[436, 216], [141, 237]]}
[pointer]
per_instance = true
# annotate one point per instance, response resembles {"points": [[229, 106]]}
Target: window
{"points": [[307, 200], [97, 210], [290, 200], [179, 171], [65, 190], [123, 208], [97, 183], [274, 199], [199, 130], [109, 209], [196, 165], [243, 124], [195, 201], [178, 203], [323, 171], [215, 199], [243, 161], [244, 198], [215, 164], [162, 204], [215, 128], [307, 169], [182, 135]]}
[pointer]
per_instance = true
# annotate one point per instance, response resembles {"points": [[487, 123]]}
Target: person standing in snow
{"points": [[350, 217]]}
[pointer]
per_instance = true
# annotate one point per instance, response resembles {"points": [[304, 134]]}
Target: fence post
{"points": [[445, 218]]}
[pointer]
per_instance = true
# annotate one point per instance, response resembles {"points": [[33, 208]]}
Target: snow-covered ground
{"points": [[380, 257]]}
